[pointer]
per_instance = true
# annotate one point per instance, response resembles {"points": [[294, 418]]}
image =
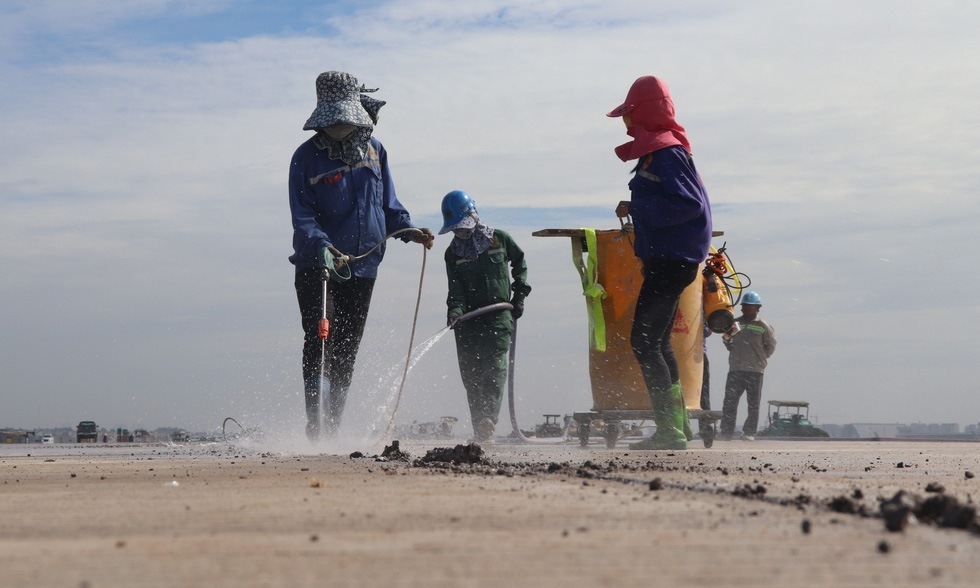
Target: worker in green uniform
{"points": [[485, 266]]}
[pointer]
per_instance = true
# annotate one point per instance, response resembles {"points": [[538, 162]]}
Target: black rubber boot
{"points": [[333, 410], [312, 394]]}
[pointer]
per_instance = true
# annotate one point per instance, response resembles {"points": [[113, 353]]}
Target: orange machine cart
{"points": [[611, 278]]}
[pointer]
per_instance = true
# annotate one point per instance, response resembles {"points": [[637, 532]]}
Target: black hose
{"points": [[482, 311], [510, 365]]}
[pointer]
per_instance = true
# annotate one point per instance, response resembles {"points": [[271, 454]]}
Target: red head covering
{"points": [[652, 113]]}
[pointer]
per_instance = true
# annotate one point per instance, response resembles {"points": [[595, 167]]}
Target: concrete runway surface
{"points": [[763, 513]]}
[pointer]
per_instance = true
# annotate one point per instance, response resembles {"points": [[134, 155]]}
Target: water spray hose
{"points": [[482, 311], [411, 338], [510, 399], [324, 325], [510, 368], [348, 258], [224, 433], [342, 260], [323, 332], [345, 260], [244, 432]]}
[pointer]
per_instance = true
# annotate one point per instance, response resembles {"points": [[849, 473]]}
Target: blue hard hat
{"points": [[457, 210], [752, 298]]}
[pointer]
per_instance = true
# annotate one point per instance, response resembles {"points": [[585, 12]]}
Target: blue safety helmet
{"points": [[752, 298], [457, 210]]}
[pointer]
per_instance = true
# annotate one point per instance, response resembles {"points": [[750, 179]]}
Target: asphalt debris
{"points": [[471, 453], [390, 453], [896, 511], [747, 490], [940, 510], [393, 453], [946, 511], [847, 505]]}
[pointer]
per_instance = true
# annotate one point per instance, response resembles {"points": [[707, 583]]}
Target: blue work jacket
{"points": [[670, 208], [349, 207]]}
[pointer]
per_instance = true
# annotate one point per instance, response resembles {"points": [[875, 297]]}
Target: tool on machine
{"points": [[720, 280]]}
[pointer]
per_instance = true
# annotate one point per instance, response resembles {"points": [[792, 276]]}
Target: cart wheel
{"points": [[707, 427], [584, 430], [611, 434]]}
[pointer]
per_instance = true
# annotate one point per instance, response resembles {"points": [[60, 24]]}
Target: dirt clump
{"points": [[940, 510], [394, 453], [848, 505], [471, 453], [390, 453], [944, 510]]}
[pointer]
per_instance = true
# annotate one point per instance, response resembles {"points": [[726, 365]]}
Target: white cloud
{"points": [[144, 226]]}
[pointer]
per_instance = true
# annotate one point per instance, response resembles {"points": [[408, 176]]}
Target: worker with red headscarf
{"points": [[672, 223]]}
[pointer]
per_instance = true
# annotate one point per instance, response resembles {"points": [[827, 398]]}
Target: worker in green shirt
{"points": [[484, 266]]}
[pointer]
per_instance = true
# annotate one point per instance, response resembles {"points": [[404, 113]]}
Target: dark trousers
{"points": [[738, 382], [653, 321], [347, 310]]}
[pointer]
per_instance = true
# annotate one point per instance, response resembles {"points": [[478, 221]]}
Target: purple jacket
{"points": [[670, 208]]}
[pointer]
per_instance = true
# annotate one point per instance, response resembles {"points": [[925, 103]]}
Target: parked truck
{"points": [[87, 432]]}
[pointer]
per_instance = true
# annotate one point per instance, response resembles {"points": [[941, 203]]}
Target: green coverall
{"points": [[483, 342]]}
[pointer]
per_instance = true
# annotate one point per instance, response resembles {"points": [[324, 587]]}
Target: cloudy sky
{"points": [[144, 225]]}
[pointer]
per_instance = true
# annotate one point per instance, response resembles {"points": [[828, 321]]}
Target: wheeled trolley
{"points": [[611, 277], [611, 420]]}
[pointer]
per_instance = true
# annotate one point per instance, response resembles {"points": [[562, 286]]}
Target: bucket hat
{"points": [[340, 99]]}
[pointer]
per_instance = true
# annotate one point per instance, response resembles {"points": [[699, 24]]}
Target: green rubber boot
{"points": [[677, 392], [670, 434]]}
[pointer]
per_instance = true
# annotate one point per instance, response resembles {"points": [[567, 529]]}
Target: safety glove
{"points": [[326, 259], [452, 318], [332, 263], [518, 310], [421, 235]]}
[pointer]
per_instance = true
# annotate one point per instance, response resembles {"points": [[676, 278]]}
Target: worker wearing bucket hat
{"points": [[485, 267], [343, 202], [672, 223]]}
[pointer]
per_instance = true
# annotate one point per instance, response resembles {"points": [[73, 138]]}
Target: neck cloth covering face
{"points": [[478, 241], [341, 100], [651, 111]]}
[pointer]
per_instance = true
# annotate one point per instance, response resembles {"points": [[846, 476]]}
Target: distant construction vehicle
{"points": [[87, 432], [790, 418], [551, 427]]}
